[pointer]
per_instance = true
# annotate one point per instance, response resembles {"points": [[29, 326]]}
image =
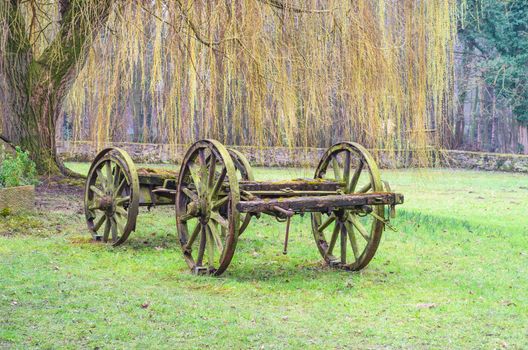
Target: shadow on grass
{"points": [[270, 267]]}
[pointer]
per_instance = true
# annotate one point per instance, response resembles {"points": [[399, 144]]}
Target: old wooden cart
{"points": [[215, 196]]}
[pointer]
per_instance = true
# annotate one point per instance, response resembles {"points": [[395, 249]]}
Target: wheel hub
{"points": [[106, 204], [205, 210], [200, 208]]}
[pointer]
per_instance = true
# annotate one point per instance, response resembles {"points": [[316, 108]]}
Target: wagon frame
{"points": [[215, 197]]}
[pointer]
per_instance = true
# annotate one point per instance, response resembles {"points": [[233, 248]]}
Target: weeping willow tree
{"points": [[246, 72]]}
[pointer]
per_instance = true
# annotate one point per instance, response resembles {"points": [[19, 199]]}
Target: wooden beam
{"points": [[292, 185], [319, 204]]}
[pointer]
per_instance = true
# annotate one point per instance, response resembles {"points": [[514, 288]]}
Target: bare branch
{"points": [[282, 6]]}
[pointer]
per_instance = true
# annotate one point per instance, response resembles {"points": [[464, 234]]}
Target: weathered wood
{"points": [[296, 187], [153, 180], [316, 203], [292, 193], [291, 185]]}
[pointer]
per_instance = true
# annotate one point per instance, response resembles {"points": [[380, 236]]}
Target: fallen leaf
{"points": [[145, 305]]}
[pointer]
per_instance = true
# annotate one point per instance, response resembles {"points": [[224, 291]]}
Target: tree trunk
{"points": [[36, 123], [37, 86]]}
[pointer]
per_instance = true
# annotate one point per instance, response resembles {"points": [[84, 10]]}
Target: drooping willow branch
{"points": [[282, 6], [262, 72]]}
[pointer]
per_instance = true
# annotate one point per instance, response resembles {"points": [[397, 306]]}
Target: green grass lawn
{"points": [[455, 275]]}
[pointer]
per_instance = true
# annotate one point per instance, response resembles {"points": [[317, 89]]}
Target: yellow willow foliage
{"points": [[271, 73]]}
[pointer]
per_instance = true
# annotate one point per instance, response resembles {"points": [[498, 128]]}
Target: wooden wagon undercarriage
{"points": [[215, 197]]}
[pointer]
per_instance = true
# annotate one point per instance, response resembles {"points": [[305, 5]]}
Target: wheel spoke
{"points": [[350, 230], [99, 223], [362, 230], [216, 237], [210, 247], [102, 178], [327, 223], [122, 200], [108, 224], [218, 218], [203, 169], [119, 187], [346, 171], [343, 244], [114, 229], [219, 182], [194, 177], [337, 170], [97, 191], [355, 178], [121, 211], [117, 176], [186, 217], [201, 248], [220, 202], [93, 206], [365, 188], [212, 170], [192, 238], [190, 194], [119, 220], [109, 184], [333, 239]]}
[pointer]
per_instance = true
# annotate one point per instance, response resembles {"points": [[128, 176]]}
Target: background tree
{"points": [[267, 73], [39, 63], [493, 76]]}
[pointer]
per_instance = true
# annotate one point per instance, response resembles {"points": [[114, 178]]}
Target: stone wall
{"points": [[485, 161], [282, 156], [17, 199], [161, 153]]}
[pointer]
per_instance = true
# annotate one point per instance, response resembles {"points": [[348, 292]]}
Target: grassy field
{"points": [[453, 277]]}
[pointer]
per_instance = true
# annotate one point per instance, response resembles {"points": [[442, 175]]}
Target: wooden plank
{"points": [[317, 203], [271, 194], [291, 185], [157, 177]]}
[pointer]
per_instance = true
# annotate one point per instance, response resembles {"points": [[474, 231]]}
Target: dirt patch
{"points": [[60, 194]]}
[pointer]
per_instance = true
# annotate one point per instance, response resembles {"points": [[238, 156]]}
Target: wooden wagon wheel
{"points": [[360, 229], [245, 173], [111, 196], [206, 216]]}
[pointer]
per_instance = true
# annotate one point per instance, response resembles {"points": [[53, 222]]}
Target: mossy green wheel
{"points": [[207, 219], [111, 196], [348, 239], [244, 173]]}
